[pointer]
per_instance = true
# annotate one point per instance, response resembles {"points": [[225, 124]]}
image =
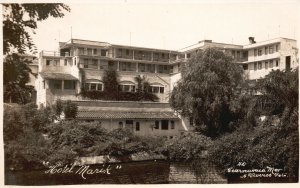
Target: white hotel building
{"points": [[81, 63]]}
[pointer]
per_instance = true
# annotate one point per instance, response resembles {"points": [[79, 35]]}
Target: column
{"points": [[151, 56], [62, 85], [133, 54], [118, 66], [137, 67], [155, 68]]}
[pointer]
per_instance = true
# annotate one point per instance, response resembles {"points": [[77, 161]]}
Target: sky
{"points": [[171, 24]]}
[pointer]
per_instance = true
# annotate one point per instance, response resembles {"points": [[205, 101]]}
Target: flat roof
{"points": [[103, 115], [57, 76]]}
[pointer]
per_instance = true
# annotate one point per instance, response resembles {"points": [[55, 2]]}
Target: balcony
{"points": [[54, 54]]}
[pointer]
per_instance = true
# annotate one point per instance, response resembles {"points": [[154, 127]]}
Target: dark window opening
{"points": [[161, 89], [129, 122], [156, 125], [164, 124], [172, 125], [137, 126], [120, 125]]}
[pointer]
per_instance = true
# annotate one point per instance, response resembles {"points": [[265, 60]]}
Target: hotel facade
{"points": [[81, 64]]}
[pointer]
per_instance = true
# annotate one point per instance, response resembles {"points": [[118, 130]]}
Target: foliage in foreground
{"points": [[275, 142], [31, 137]]}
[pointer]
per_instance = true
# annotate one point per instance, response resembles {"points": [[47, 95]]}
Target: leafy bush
{"points": [[192, 146]]}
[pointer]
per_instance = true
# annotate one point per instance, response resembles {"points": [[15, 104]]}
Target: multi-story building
{"points": [[265, 56], [81, 63]]}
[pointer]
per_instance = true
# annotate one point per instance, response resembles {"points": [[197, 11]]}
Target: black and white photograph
{"points": [[129, 92]]}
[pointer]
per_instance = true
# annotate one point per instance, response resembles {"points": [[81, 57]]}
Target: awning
{"points": [[125, 115], [57, 76]]}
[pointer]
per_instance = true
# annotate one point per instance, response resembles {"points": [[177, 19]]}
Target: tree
{"points": [[273, 143], [16, 75], [18, 19], [111, 84], [143, 88], [207, 88], [70, 110]]}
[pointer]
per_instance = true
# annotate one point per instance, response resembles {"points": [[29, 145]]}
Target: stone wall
{"points": [[186, 173]]}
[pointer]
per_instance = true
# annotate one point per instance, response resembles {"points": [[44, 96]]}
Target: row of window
{"points": [[68, 84], [123, 87], [263, 64], [144, 55], [92, 51], [266, 50], [52, 62], [164, 124]]}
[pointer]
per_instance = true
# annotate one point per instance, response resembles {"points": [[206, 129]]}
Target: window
{"points": [[81, 51], [271, 49], [95, 62], [277, 47], [69, 84], [255, 66], [129, 122], [103, 52], [52, 62], [127, 66], [188, 55], [161, 89], [66, 62], [245, 67], [271, 64], [87, 86], [172, 124], [164, 124], [255, 52], [266, 50], [120, 125], [99, 87], [266, 65], [57, 84], [154, 89], [156, 125], [137, 126], [89, 51], [238, 54], [277, 63], [95, 51], [93, 86], [259, 65], [259, 52], [127, 52], [86, 63], [127, 88]]}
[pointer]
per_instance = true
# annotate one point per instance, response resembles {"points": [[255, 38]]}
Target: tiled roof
{"points": [[125, 115], [57, 76]]}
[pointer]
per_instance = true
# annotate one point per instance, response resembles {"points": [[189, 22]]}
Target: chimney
{"points": [[251, 40]]}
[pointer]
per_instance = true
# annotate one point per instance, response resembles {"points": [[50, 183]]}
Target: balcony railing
{"points": [[50, 53]]}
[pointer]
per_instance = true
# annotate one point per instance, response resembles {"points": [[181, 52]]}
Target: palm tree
{"points": [[143, 89]]}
